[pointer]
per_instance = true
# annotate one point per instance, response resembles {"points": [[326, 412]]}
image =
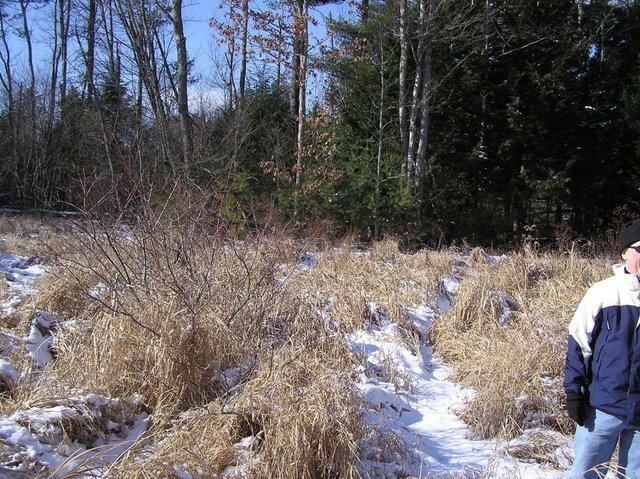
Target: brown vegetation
{"points": [[515, 365], [238, 353]]}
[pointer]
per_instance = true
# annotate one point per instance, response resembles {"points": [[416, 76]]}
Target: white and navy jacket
{"points": [[603, 360]]}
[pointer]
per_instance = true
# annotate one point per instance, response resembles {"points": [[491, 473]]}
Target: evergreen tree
{"points": [[371, 191]]}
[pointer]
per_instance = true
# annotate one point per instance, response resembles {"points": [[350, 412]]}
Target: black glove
{"points": [[576, 407]]}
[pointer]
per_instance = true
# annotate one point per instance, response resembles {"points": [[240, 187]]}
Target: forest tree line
{"points": [[443, 120]]}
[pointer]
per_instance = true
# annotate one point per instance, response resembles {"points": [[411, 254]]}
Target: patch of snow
{"points": [[421, 319], [39, 340], [8, 371], [504, 304], [97, 292], [10, 306], [37, 438], [231, 377], [448, 289], [21, 270], [28, 444], [19, 273], [180, 474], [413, 403], [304, 262], [307, 260], [244, 458]]}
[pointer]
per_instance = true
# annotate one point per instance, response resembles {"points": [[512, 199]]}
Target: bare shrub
{"points": [[178, 304], [200, 326]]}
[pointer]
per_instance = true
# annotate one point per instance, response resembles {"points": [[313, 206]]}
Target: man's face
{"points": [[631, 258]]}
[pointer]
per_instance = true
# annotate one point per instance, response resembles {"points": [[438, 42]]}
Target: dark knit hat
{"points": [[629, 235]]}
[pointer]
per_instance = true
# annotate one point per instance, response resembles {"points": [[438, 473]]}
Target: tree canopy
{"points": [[439, 120]]}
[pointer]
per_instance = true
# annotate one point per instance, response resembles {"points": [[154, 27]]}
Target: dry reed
{"points": [[239, 354], [513, 357], [177, 313]]}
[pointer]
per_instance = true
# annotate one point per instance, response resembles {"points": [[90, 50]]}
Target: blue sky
{"points": [[202, 43]]}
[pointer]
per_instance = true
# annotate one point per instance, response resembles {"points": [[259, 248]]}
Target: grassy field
{"points": [[221, 338]]}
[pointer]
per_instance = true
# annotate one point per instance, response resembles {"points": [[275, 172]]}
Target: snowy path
{"points": [[419, 405], [443, 440]]}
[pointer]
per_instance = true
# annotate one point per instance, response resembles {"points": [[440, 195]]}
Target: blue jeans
{"points": [[595, 443]]}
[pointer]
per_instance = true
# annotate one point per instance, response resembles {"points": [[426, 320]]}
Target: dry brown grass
{"points": [[32, 237], [306, 405], [27, 233], [298, 413], [166, 311], [344, 283], [202, 442], [516, 368]]}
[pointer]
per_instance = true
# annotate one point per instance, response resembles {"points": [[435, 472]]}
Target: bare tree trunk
{"points": [[415, 107], [364, 10], [91, 49], [165, 66], [139, 94], [55, 65], [24, 4], [113, 76], [141, 27], [298, 50], [183, 99], [39, 176], [65, 16], [421, 155], [231, 65], [482, 146], [149, 64], [419, 121], [280, 59], [376, 226], [403, 84], [231, 87], [6, 78], [243, 49], [107, 19], [302, 39]]}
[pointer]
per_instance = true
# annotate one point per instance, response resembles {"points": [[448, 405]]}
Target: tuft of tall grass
{"points": [[513, 355], [345, 282], [305, 404]]}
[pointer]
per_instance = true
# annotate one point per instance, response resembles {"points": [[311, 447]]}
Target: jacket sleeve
{"points": [[582, 330]]}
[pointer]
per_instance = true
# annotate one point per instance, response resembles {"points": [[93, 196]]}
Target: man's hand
{"points": [[576, 407]]}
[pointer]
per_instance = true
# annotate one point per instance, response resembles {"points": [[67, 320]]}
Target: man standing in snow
{"points": [[602, 370]]}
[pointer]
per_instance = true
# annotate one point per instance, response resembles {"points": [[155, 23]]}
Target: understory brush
{"points": [[202, 330]]}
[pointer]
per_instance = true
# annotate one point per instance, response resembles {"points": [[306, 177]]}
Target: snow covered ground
{"points": [[412, 401], [422, 411]]}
